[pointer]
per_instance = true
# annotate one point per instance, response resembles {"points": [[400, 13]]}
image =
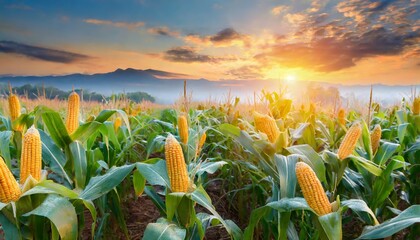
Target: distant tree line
{"points": [[322, 95], [35, 91]]}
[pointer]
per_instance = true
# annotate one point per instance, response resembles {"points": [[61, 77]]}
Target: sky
{"points": [[348, 42]]}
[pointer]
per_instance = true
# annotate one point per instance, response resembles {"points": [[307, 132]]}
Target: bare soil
{"points": [[141, 211]]}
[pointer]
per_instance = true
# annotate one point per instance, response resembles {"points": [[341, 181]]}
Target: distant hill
{"points": [[34, 92], [165, 90], [152, 81]]}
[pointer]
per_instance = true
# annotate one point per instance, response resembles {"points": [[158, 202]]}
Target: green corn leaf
{"points": [[405, 219], [164, 231], [61, 213], [101, 185]]}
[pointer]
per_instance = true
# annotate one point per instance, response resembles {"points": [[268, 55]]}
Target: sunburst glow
{"points": [[290, 78]]}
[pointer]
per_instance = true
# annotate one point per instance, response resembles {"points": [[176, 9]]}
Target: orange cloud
{"points": [[279, 10], [295, 18]]}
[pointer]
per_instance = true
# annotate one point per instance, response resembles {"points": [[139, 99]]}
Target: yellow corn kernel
{"points": [[375, 138], [175, 164], [342, 116], [117, 124], [416, 106], [14, 106], [267, 125], [183, 128], [201, 143], [350, 140], [31, 158], [202, 140], [9, 188], [312, 190], [72, 121]]}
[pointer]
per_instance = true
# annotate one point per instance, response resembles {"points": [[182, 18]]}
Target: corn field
{"points": [[209, 171]]}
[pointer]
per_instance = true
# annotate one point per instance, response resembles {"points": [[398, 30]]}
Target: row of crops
{"points": [[287, 173]]}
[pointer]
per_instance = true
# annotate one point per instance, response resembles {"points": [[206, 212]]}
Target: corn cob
{"points": [[117, 124], [416, 106], [236, 116], [312, 108], [375, 137], [312, 189], [302, 107], [201, 143], [31, 158], [9, 188], [183, 128], [72, 122], [202, 140], [285, 107], [14, 106], [342, 116], [284, 139], [350, 140], [280, 124], [267, 125], [175, 164], [90, 118]]}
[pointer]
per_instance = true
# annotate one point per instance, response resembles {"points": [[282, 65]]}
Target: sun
{"points": [[290, 78]]}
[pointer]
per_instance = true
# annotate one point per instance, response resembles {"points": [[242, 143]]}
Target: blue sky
{"points": [[336, 41]]}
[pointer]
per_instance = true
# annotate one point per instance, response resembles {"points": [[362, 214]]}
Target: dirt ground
{"points": [[138, 213]]}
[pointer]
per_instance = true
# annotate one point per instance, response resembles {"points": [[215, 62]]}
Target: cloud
{"points": [[325, 42], [277, 10], [40, 53], [367, 12], [186, 54], [246, 72], [163, 31], [224, 38], [315, 6], [329, 54], [127, 25], [189, 55], [295, 18]]}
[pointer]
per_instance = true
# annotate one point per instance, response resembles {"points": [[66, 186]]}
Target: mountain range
{"points": [[166, 87]]}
